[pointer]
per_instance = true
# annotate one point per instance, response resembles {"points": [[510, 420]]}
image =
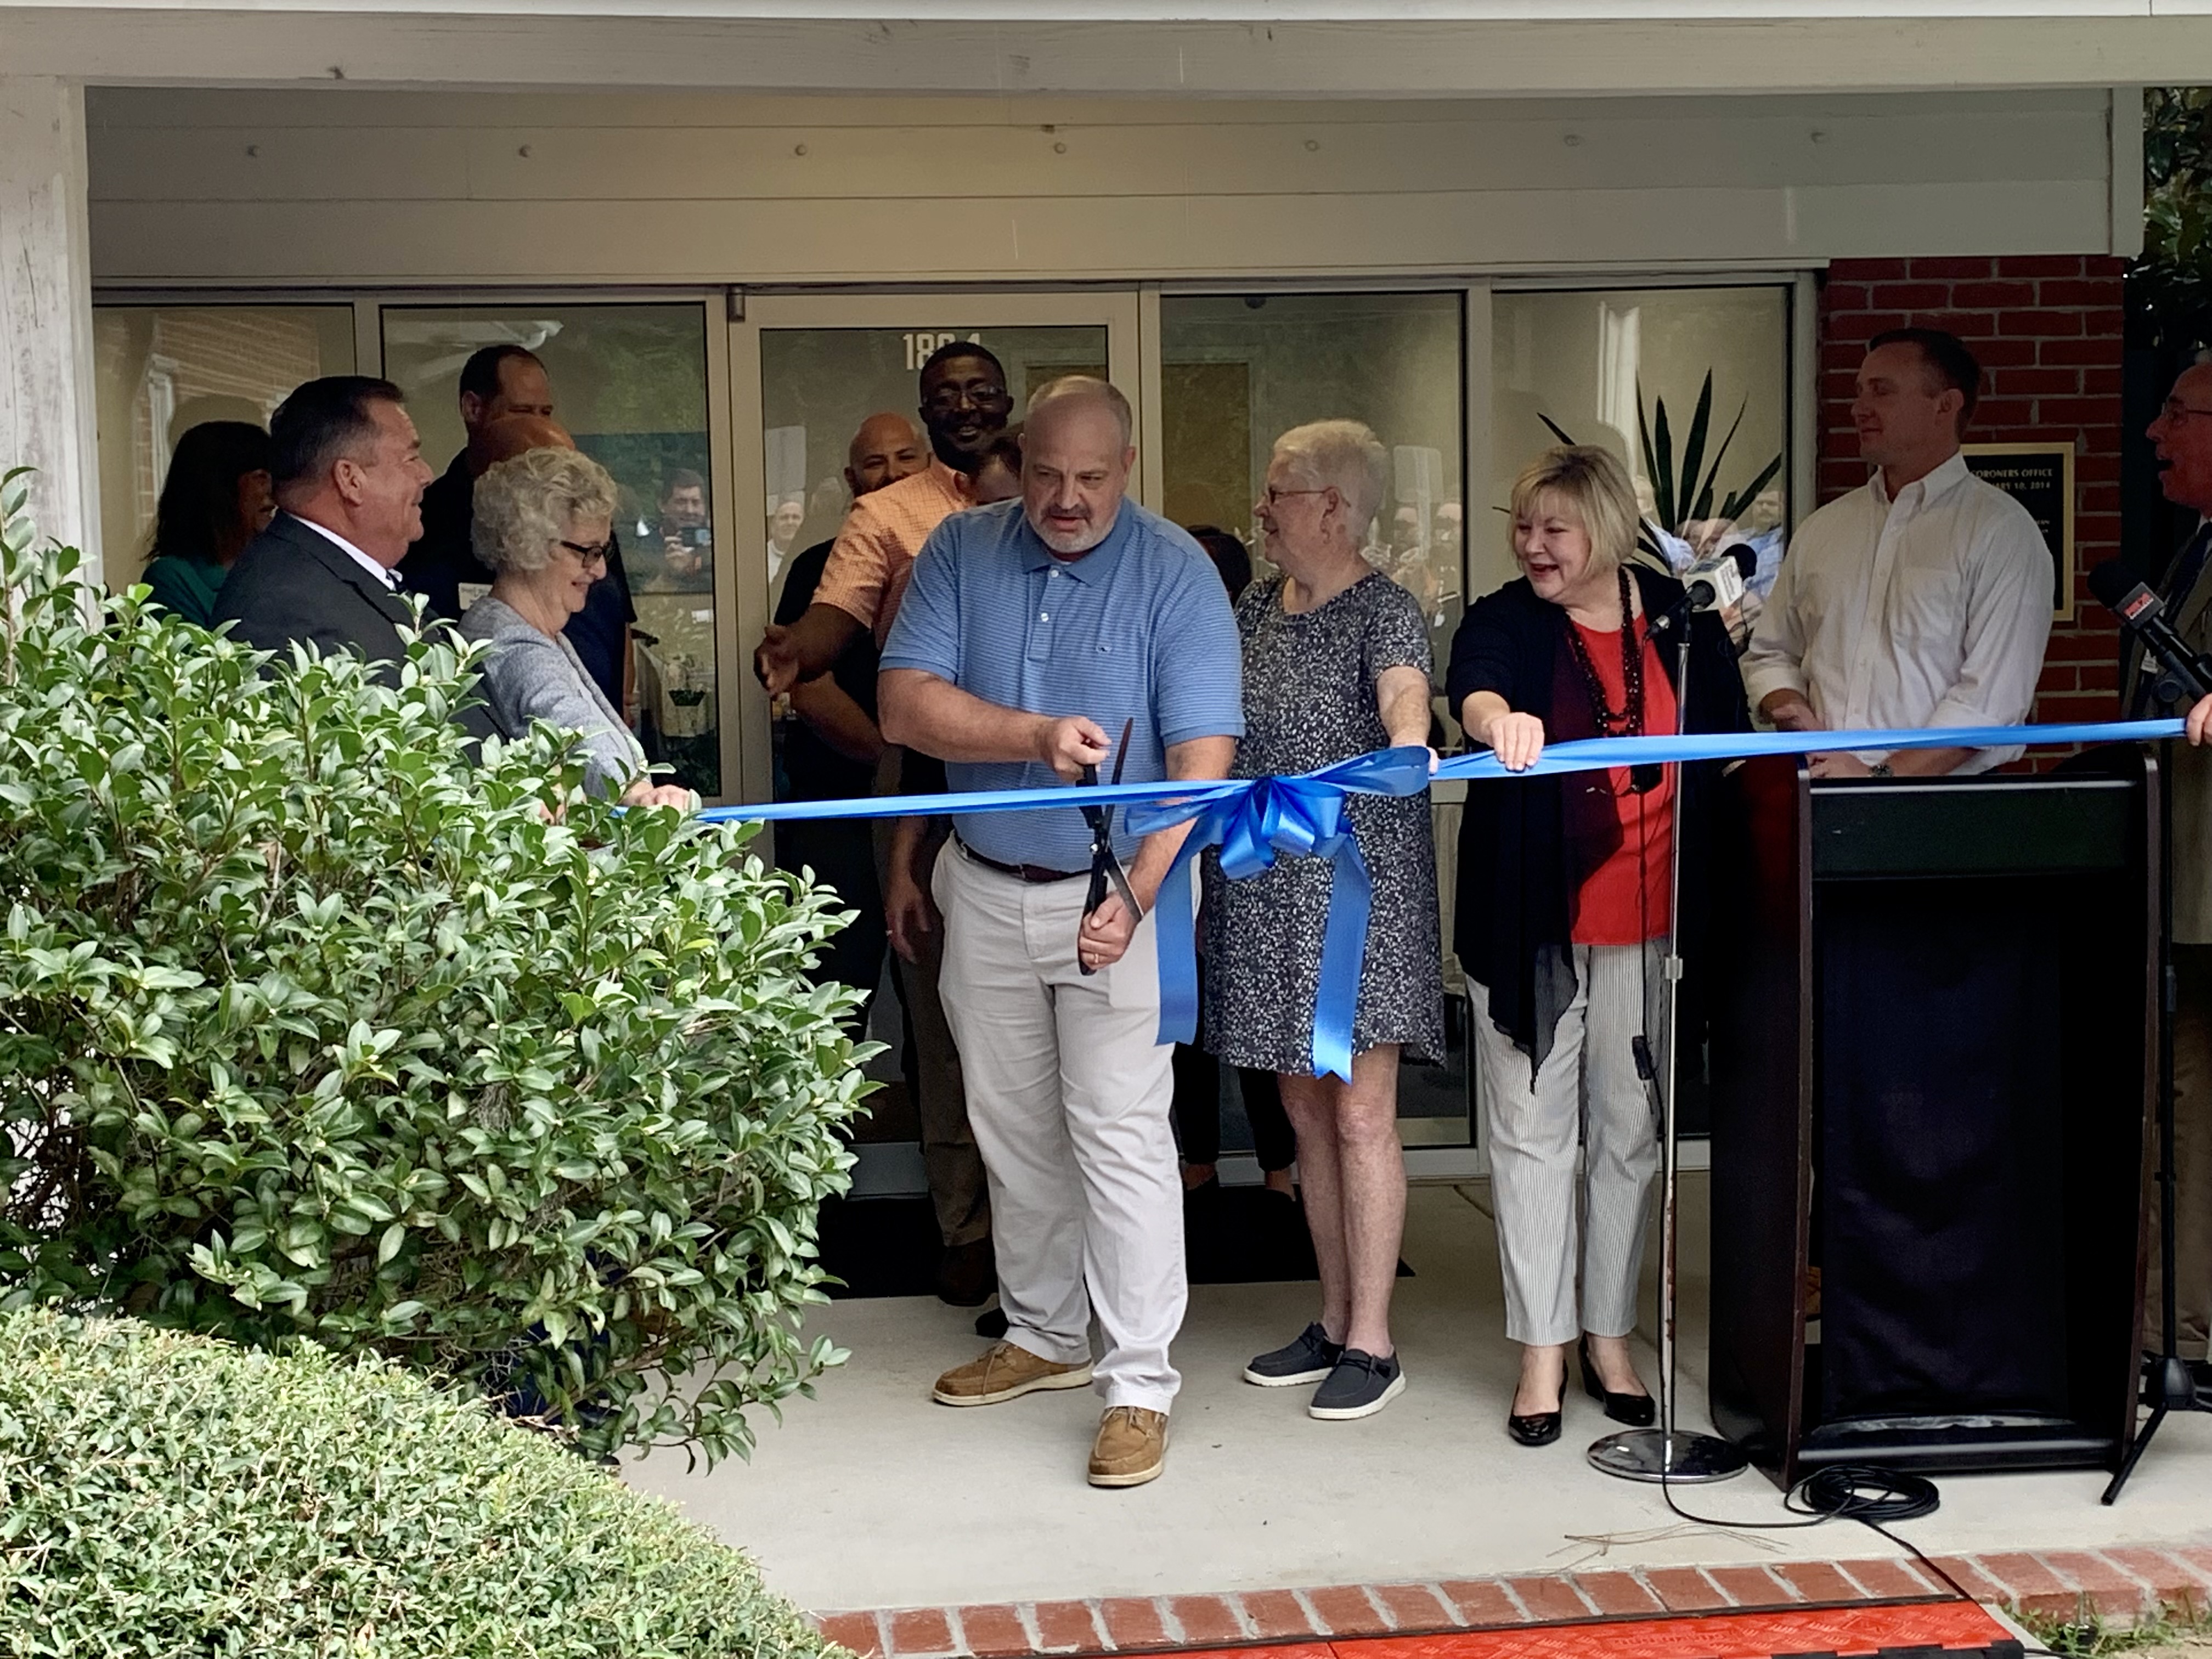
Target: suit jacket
{"points": [[2191, 782], [445, 556], [294, 583]]}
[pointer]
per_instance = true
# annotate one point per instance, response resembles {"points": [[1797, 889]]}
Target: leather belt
{"points": [[1036, 874]]}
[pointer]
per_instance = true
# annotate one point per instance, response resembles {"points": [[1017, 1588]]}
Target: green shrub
{"points": [[310, 1028], [167, 1494]]}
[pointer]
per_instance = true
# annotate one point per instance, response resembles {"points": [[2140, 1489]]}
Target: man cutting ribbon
{"points": [[1029, 630]]}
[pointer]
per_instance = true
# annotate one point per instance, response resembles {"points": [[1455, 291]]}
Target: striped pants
{"points": [[1553, 1218]]}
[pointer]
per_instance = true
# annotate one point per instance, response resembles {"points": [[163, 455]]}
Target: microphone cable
{"points": [[1876, 1498], [1862, 1491]]}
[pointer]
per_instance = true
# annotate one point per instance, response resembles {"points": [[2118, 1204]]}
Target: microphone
{"points": [[1710, 583], [2142, 613], [1718, 583]]}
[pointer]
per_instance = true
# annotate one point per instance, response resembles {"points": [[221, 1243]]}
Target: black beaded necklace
{"points": [[1628, 720]]}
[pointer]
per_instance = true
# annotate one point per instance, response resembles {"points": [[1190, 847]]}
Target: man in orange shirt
{"points": [[965, 406]]}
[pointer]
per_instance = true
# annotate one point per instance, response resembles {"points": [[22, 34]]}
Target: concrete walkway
{"points": [[872, 1497]]}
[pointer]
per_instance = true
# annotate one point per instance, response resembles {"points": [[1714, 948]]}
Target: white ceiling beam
{"points": [[1264, 12], [2015, 44]]}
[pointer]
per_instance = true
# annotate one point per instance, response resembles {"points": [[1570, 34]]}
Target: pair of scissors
{"points": [[1105, 867]]}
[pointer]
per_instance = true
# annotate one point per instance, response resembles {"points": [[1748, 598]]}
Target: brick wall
{"points": [[254, 355], [2047, 329]]}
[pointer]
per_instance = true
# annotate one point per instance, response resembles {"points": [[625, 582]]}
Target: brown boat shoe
{"points": [[1132, 1447], [1006, 1371]]}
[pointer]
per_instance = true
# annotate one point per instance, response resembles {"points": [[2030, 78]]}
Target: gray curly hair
{"points": [[1344, 453], [526, 502]]}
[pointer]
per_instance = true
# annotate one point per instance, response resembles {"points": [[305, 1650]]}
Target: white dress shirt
{"points": [[1928, 611], [389, 578]]}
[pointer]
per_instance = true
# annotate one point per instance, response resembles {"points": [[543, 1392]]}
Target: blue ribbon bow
{"points": [[1253, 821]]}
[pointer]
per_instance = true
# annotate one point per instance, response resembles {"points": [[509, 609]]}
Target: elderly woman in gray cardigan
{"points": [[541, 522]]}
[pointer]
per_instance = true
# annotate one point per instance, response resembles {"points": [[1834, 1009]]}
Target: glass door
{"points": [[630, 382], [805, 372], [1238, 370], [806, 369]]}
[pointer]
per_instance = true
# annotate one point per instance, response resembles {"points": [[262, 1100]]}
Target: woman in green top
{"points": [[217, 499]]}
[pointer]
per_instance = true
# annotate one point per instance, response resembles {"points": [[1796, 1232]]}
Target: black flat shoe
{"points": [[1636, 1410], [1537, 1429]]}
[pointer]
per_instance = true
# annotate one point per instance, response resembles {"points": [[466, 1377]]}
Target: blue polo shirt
{"points": [[1139, 626]]}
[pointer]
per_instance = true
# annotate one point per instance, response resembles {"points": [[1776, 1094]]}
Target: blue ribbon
{"points": [[1253, 823], [1255, 820], [1580, 755], [1589, 754]]}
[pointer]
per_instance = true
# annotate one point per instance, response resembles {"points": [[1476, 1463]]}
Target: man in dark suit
{"points": [[2182, 438], [349, 475]]}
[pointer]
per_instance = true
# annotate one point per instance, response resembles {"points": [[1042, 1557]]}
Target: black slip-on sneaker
{"points": [[1360, 1385], [1308, 1359]]}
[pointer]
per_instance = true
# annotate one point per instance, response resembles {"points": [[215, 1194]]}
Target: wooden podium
{"points": [[1932, 1053]]}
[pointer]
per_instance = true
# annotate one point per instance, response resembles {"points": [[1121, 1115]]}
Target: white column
{"points": [[46, 413], [2127, 194]]}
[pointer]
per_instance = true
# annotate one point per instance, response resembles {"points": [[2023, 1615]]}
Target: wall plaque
{"points": [[2040, 478]]}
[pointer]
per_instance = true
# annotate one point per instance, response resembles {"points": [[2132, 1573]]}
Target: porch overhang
{"points": [[1204, 49]]}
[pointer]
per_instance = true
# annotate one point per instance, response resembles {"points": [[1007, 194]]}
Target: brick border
{"points": [[2120, 1583]]}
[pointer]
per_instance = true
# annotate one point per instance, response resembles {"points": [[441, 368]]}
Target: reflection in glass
{"points": [[1688, 385], [818, 385], [1239, 371], [1236, 372], [160, 370], [629, 383]]}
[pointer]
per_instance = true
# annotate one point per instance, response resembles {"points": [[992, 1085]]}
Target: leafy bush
{"points": [[310, 1028], [2169, 285], [165, 1494]]}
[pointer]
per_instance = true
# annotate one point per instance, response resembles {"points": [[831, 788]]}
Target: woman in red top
{"points": [[1563, 916]]}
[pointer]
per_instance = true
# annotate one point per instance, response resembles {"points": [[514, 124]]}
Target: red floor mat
{"points": [[1923, 1630]]}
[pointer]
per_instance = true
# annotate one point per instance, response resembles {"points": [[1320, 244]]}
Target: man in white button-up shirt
{"points": [[1922, 599]]}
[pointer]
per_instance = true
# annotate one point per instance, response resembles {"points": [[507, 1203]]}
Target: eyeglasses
{"points": [[599, 553], [946, 399], [2174, 409], [1275, 497]]}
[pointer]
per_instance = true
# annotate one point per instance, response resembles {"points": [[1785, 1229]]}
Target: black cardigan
{"points": [[1526, 845]]}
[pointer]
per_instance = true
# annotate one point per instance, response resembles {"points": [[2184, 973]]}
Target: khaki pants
{"points": [[2192, 1161], [1558, 1227], [950, 1161], [1069, 1088]]}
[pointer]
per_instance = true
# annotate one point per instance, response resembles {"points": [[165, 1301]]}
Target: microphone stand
{"points": [[2169, 1387], [1665, 1453]]}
